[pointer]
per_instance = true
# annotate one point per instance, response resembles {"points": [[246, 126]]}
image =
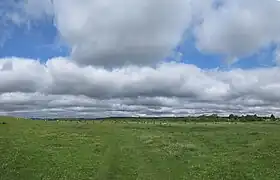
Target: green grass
{"points": [[31, 150]]}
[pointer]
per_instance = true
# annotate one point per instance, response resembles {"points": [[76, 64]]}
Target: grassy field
{"points": [[31, 150]]}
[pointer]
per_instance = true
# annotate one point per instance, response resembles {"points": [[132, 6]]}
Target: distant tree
{"points": [[248, 117], [256, 118], [242, 118], [272, 117], [231, 117], [214, 117], [202, 118], [252, 117]]}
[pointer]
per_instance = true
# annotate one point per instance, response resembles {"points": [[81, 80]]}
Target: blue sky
{"points": [[40, 42]]}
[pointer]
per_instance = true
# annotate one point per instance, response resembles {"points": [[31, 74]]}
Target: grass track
{"points": [[107, 151]]}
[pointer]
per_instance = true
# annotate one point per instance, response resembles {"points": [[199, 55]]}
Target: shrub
{"points": [[272, 117]]}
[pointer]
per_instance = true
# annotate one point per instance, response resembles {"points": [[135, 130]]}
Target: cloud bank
{"points": [[61, 87]]}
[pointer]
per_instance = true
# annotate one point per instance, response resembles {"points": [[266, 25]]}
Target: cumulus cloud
{"points": [[239, 28], [116, 33], [60, 87], [113, 33]]}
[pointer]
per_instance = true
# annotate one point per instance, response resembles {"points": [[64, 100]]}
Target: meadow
{"points": [[109, 150]]}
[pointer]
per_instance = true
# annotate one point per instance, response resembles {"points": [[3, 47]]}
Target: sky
{"points": [[99, 58]]}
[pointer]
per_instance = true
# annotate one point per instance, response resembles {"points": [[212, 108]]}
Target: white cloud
{"points": [[239, 28], [60, 87], [114, 33]]}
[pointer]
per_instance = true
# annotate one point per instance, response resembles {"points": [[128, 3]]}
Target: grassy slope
{"points": [[67, 150]]}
